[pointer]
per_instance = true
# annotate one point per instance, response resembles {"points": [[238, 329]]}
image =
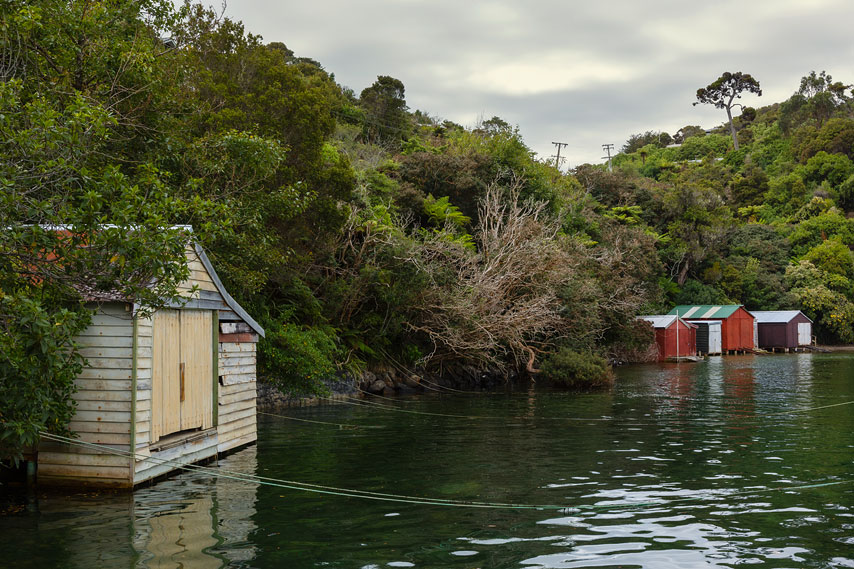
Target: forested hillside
{"points": [[767, 225], [360, 232]]}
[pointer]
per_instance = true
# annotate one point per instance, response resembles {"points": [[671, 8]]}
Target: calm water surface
{"points": [[680, 466]]}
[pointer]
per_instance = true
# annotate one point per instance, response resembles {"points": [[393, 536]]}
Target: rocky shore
{"points": [[388, 383]]}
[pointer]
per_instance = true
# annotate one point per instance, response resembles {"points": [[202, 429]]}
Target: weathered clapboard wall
{"points": [[153, 457], [115, 404], [237, 393], [104, 400]]}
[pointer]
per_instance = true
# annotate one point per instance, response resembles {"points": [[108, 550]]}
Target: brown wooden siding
{"points": [[780, 334]]}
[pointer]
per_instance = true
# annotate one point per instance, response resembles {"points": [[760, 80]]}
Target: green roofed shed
{"points": [[705, 311], [736, 323]]}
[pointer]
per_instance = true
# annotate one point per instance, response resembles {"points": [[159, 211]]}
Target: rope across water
{"points": [[399, 498]]}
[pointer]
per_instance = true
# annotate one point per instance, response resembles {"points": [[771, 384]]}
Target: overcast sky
{"points": [[584, 73]]}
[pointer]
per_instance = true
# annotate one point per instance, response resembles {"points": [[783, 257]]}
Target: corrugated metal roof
{"points": [[776, 316], [661, 320], [711, 323], [705, 311]]}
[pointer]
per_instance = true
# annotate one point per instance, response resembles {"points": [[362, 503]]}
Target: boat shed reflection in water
{"points": [[191, 521]]}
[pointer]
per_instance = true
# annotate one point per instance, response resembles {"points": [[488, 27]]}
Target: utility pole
{"points": [[607, 148], [557, 158]]}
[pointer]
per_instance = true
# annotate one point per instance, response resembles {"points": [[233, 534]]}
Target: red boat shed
{"points": [[674, 337], [736, 324]]}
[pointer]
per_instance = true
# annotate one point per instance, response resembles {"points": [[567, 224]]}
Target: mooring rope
{"points": [[360, 390], [304, 486], [451, 389], [812, 408], [363, 403], [398, 498], [341, 425]]}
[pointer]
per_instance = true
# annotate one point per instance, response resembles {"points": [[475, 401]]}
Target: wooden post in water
{"points": [[677, 335], [31, 473]]}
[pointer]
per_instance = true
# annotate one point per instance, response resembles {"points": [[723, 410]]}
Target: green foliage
{"points": [[297, 358], [385, 108], [696, 292], [813, 231], [787, 193], [845, 194], [638, 141], [832, 168], [832, 256], [729, 86], [815, 207], [687, 132], [750, 186], [319, 208], [746, 281], [762, 242], [441, 211], [699, 147], [836, 136], [38, 365], [577, 370], [723, 92], [825, 298], [629, 215], [85, 213]]}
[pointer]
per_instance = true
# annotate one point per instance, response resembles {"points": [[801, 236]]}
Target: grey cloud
{"points": [[593, 72]]}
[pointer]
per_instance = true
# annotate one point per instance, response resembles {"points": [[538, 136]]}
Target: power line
{"points": [[607, 148], [559, 145]]}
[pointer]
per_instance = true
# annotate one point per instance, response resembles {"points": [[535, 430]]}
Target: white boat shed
{"points": [[160, 392]]}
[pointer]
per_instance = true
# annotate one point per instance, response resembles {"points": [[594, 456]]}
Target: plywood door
{"points": [[182, 372], [804, 333], [197, 356], [166, 374]]}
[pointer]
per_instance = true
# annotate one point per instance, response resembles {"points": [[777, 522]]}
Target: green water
{"points": [[714, 450]]}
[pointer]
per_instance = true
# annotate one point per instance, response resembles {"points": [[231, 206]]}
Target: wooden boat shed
{"points": [[736, 324], [176, 388], [782, 329], [674, 338], [708, 337]]}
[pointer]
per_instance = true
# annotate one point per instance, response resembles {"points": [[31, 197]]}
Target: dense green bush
{"points": [[295, 358], [576, 370], [38, 365]]}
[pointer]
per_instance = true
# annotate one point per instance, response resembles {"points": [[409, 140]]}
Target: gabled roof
{"points": [[662, 320], [777, 316], [703, 311], [92, 295], [225, 296]]}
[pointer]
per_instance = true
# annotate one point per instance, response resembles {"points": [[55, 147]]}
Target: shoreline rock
{"points": [[388, 382]]}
